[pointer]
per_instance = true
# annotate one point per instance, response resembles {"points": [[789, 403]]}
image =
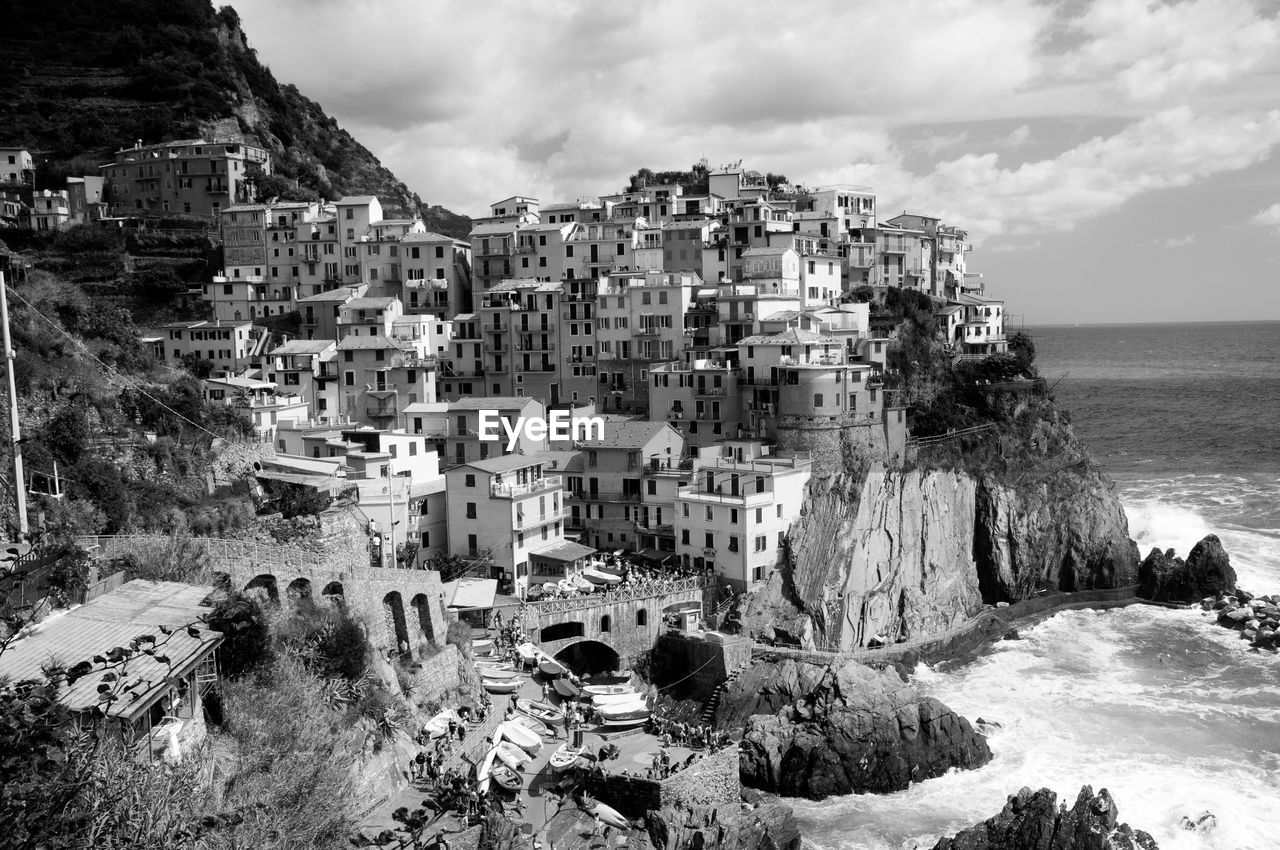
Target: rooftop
{"points": [[633, 434], [356, 200], [342, 293], [138, 607], [368, 343], [303, 346], [498, 402], [506, 463]]}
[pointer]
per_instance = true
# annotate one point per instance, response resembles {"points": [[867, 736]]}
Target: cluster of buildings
{"points": [[708, 334]]}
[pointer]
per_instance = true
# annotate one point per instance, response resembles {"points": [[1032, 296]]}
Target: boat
{"points": [[616, 699], [506, 777], [566, 688], [484, 646], [565, 586], [625, 722], [607, 814], [636, 711], [607, 690], [522, 736], [550, 588], [500, 686], [552, 667], [484, 769], [438, 726], [545, 712], [528, 653], [533, 724], [497, 674], [582, 583], [565, 757], [512, 756]]}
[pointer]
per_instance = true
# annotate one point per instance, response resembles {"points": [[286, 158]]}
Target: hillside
{"points": [[82, 79]]}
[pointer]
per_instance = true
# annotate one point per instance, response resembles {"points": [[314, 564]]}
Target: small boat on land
{"points": [[438, 726], [565, 757], [566, 688], [512, 756], [582, 583], [484, 769], [496, 674], [625, 713], [484, 646], [533, 724], [528, 653], [551, 667], [607, 814], [599, 577], [500, 686], [607, 690], [543, 711], [506, 777], [522, 736], [616, 699], [625, 722]]}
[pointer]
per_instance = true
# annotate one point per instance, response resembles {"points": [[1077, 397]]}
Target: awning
{"points": [[600, 577], [566, 552], [654, 556], [470, 592]]}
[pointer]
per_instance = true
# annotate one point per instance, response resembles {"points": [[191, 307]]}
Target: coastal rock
{"points": [[1034, 819], [856, 730], [764, 825], [1207, 571]]}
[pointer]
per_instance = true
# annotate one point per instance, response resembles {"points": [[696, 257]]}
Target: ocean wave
{"points": [[1159, 706]]}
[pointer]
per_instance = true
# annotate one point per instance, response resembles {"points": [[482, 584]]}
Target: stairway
{"points": [[713, 701]]}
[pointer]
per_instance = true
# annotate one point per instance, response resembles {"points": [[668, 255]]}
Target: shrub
{"points": [[245, 645], [459, 635]]}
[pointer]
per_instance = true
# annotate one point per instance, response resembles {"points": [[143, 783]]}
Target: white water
{"points": [[1163, 708]]}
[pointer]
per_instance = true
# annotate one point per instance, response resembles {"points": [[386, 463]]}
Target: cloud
{"points": [[470, 102], [1168, 242], [1011, 247], [1270, 217]]}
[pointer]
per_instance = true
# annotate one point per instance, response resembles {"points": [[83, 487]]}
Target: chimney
{"points": [[137, 145]]}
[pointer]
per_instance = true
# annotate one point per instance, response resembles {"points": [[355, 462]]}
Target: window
{"points": [[761, 542], [817, 399], [710, 540], [349, 379], [471, 510], [642, 617], [604, 623], [470, 481], [733, 543], [733, 516], [684, 536]]}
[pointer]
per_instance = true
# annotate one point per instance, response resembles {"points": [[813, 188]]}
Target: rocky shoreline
{"points": [[1035, 819]]}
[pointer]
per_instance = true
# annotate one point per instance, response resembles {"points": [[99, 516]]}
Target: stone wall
{"points": [[438, 674], [694, 667], [710, 781], [235, 461], [832, 441]]}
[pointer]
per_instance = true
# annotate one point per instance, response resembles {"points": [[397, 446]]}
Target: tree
{"points": [[1024, 348], [246, 642]]}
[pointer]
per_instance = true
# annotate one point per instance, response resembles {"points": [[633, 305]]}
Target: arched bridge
{"points": [[399, 608], [627, 620]]}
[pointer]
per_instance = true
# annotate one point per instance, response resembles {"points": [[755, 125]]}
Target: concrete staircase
{"points": [[713, 701]]}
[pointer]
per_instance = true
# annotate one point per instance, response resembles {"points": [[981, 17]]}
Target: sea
{"points": [[1166, 710]]}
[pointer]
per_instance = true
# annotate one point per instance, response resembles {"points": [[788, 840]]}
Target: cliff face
{"points": [[1036, 820], [906, 553]]}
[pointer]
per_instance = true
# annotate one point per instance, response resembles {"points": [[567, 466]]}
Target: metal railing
{"points": [[620, 594]]}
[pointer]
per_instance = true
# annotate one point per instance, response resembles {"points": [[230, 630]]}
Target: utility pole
{"points": [[19, 482]]}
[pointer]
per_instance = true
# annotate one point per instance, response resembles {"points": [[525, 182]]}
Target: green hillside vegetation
{"points": [[83, 79]]}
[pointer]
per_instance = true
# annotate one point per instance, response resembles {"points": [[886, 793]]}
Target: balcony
{"points": [[513, 491], [665, 530], [604, 496], [749, 380], [533, 520], [718, 392], [648, 331], [496, 327], [535, 345], [381, 411]]}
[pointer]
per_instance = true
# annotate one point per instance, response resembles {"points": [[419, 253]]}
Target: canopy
{"points": [[470, 592]]}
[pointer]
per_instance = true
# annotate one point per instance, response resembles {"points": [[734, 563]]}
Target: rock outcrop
{"points": [[765, 824], [1207, 571], [1034, 819], [895, 554], [845, 730], [1257, 618]]}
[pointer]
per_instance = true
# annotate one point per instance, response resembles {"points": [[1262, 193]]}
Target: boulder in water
{"points": [[1202, 822], [1207, 571], [1034, 819]]}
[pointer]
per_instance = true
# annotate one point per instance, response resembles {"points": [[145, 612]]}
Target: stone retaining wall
{"points": [[710, 781]]}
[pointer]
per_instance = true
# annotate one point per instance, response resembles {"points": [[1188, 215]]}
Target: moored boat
{"points": [[607, 814], [528, 653], [484, 646], [565, 757], [497, 674], [566, 688], [551, 667], [607, 690], [438, 726], [485, 768], [500, 686], [522, 736], [533, 724], [543, 711], [512, 756], [616, 713], [506, 777], [582, 583], [616, 699]]}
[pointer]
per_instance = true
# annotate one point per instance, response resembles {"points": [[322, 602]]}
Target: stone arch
{"points": [[562, 630], [334, 594], [393, 616], [422, 605], [585, 657], [605, 623], [298, 590], [264, 587], [642, 617]]}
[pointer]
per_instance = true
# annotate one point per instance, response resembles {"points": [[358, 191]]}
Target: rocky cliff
{"points": [[1207, 571], [815, 731], [1036, 820], [895, 554]]}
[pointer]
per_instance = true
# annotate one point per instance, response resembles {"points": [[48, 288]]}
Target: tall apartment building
{"points": [[383, 376], [463, 442], [733, 519], [520, 324], [640, 320], [437, 273], [699, 396], [229, 346], [17, 166], [606, 494], [50, 210], [85, 198], [190, 177], [308, 367]]}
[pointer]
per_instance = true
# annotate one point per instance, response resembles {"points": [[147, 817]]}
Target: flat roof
{"points": [[566, 551], [136, 608], [470, 592]]}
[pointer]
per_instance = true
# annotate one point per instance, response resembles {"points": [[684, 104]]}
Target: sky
{"points": [[1112, 161]]}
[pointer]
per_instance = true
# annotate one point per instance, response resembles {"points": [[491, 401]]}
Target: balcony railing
{"points": [[541, 485], [604, 496], [535, 519], [709, 391]]}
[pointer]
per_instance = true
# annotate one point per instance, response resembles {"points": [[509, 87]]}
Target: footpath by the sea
{"points": [[966, 640]]}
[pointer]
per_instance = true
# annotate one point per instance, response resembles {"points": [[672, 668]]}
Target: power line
{"points": [[110, 370]]}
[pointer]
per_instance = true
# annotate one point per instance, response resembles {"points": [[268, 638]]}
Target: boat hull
{"points": [[540, 711], [566, 689], [522, 736], [500, 686], [552, 667]]}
